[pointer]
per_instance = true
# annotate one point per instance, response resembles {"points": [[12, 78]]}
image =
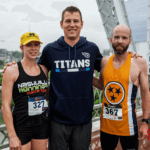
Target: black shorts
{"points": [[25, 134], [74, 137], [109, 141]]}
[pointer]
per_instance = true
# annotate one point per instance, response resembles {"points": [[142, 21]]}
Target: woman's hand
{"points": [[14, 143]]}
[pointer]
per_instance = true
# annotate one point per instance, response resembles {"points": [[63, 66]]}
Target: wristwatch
{"points": [[146, 120]]}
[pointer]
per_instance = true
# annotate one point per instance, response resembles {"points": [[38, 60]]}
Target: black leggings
{"points": [[109, 141]]}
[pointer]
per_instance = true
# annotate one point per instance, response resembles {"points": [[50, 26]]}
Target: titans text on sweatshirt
{"points": [[71, 92]]}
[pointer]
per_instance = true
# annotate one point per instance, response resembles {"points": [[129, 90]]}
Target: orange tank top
{"points": [[118, 116]]}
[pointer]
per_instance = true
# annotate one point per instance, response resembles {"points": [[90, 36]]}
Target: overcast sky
{"points": [[44, 17]]}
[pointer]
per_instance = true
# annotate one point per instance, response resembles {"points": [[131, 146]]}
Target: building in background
{"points": [[138, 15], [137, 11], [2, 56]]}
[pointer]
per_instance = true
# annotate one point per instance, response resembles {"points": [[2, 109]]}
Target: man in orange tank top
{"points": [[120, 78]]}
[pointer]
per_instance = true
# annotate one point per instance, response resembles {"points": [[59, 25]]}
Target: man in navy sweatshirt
{"points": [[72, 60]]}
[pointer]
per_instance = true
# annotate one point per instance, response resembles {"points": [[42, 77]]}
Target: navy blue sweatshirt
{"points": [[71, 91]]}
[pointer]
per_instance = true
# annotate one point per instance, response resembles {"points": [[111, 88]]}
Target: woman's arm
{"points": [[10, 76]]}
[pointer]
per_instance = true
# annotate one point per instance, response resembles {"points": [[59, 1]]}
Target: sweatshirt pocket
{"points": [[73, 110]]}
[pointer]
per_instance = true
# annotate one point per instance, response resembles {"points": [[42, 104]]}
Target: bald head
{"points": [[120, 39], [122, 28]]}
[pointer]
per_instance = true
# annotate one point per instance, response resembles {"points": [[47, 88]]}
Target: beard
{"points": [[117, 51]]}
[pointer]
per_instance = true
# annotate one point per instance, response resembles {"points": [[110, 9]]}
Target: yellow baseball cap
{"points": [[28, 37]]}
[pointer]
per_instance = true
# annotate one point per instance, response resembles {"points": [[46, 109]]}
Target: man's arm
{"points": [[144, 86], [98, 83], [8, 64], [46, 73], [45, 57], [97, 63], [134, 54]]}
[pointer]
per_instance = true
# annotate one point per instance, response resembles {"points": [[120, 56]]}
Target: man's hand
{"points": [[134, 54], [14, 143], [9, 64], [143, 131]]}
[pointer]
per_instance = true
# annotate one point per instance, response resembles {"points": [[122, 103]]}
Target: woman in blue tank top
{"points": [[26, 83]]}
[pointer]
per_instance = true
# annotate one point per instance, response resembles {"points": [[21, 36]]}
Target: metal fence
{"points": [[4, 141]]}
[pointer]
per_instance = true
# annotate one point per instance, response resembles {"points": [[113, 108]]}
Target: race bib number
{"points": [[112, 112], [36, 105]]}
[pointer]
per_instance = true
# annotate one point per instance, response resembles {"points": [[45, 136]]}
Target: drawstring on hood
{"points": [[75, 53], [69, 56]]}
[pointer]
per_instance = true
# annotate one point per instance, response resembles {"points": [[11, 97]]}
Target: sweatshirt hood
{"points": [[81, 42]]}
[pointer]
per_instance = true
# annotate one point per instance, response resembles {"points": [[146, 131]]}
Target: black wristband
{"points": [[146, 120]]}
